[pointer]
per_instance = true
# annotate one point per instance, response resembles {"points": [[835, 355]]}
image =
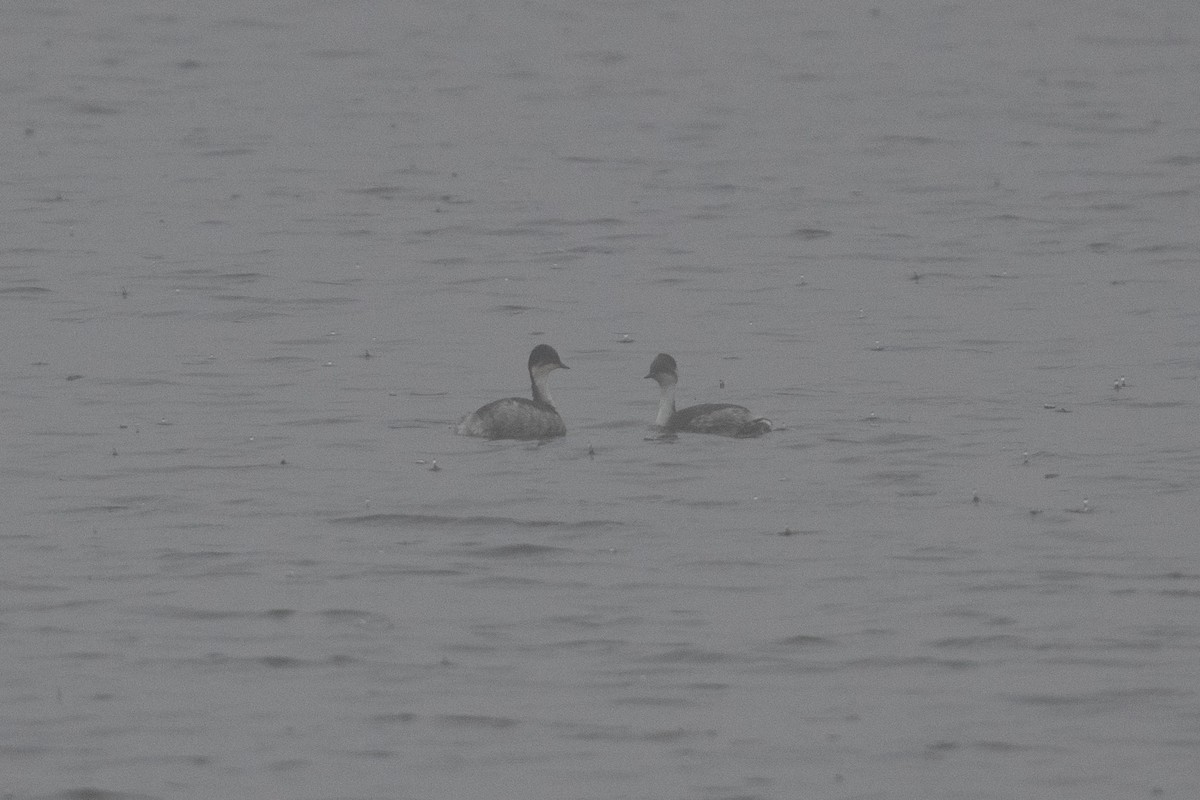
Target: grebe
{"points": [[516, 417], [723, 419]]}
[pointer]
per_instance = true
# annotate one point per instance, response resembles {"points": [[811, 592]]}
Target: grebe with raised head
{"points": [[722, 419], [517, 417]]}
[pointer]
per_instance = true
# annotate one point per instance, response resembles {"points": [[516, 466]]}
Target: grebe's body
{"points": [[722, 419], [517, 417]]}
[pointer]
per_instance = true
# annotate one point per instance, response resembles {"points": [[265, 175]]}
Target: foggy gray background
{"points": [[257, 257]]}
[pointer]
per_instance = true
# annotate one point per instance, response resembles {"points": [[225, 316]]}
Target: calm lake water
{"points": [[258, 257]]}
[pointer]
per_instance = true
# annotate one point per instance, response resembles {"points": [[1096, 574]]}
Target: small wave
{"points": [[25, 290], [410, 520], [806, 640], [476, 721], [517, 550], [272, 661], [90, 793], [1099, 700]]}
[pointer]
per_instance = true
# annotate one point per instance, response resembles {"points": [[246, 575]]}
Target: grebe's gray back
{"points": [[516, 417], [722, 419]]}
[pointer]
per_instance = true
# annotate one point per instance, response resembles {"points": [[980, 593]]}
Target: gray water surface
{"points": [[258, 257]]}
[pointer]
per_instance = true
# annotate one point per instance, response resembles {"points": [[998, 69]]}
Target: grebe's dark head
{"points": [[545, 359], [663, 369], [662, 365]]}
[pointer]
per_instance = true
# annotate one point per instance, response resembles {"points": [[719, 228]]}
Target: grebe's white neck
{"points": [[538, 377], [666, 402]]}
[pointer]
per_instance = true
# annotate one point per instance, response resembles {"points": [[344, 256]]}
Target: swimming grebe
{"points": [[516, 417], [723, 419]]}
